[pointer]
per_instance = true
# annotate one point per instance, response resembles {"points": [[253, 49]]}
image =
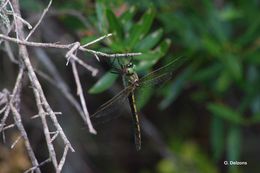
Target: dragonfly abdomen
{"points": [[136, 122]]}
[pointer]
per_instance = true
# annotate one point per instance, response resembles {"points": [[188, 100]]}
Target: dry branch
{"points": [[10, 103]]}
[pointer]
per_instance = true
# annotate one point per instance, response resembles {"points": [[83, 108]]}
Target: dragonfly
{"points": [[132, 82]]}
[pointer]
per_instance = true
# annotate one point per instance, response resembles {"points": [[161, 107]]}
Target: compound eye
{"points": [[130, 65], [129, 71]]}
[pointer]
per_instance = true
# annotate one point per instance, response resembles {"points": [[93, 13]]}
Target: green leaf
{"points": [[149, 41], [211, 45], [217, 137], [229, 13], [253, 57], [167, 166], [100, 11], [233, 143], [250, 34], [140, 29], [226, 113], [207, 73], [223, 82], [103, 83], [234, 140], [157, 53], [233, 66], [117, 46], [128, 15], [114, 25], [145, 64]]}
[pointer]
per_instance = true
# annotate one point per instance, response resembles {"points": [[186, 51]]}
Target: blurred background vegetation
{"points": [[208, 113]]}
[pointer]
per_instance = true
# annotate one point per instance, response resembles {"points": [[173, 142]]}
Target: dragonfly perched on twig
{"points": [[132, 83]]}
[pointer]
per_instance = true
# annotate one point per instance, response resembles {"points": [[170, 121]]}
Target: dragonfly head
{"points": [[130, 69]]}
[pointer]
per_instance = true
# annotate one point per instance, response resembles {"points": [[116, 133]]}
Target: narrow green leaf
{"points": [[140, 29], [223, 82], [127, 15], [233, 143], [103, 83], [211, 45], [100, 11], [226, 112], [217, 137], [229, 13], [114, 24], [166, 166], [149, 41], [145, 64], [157, 53], [250, 34], [207, 73], [233, 66]]}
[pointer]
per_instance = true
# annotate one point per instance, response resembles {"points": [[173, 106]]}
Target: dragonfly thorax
{"points": [[133, 79]]}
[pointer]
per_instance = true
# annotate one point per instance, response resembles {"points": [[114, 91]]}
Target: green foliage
{"points": [[217, 137], [226, 113], [188, 158], [105, 82], [130, 36], [224, 43]]}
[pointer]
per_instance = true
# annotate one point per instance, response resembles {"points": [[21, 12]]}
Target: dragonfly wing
{"points": [[163, 72], [159, 80], [112, 108]]}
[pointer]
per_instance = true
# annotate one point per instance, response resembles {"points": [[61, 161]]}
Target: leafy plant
{"points": [[130, 36], [224, 43]]}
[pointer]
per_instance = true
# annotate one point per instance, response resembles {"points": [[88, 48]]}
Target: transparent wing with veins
{"points": [[119, 103], [113, 107]]}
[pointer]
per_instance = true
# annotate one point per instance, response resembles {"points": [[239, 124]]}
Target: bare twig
{"points": [[2, 123], [40, 20], [4, 4], [81, 96], [73, 49], [16, 16], [66, 46], [37, 166], [37, 116], [18, 121], [15, 142], [3, 109], [39, 95], [12, 103], [83, 64], [57, 82], [97, 40], [54, 136], [62, 161], [3, 136], [8, 127]]}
